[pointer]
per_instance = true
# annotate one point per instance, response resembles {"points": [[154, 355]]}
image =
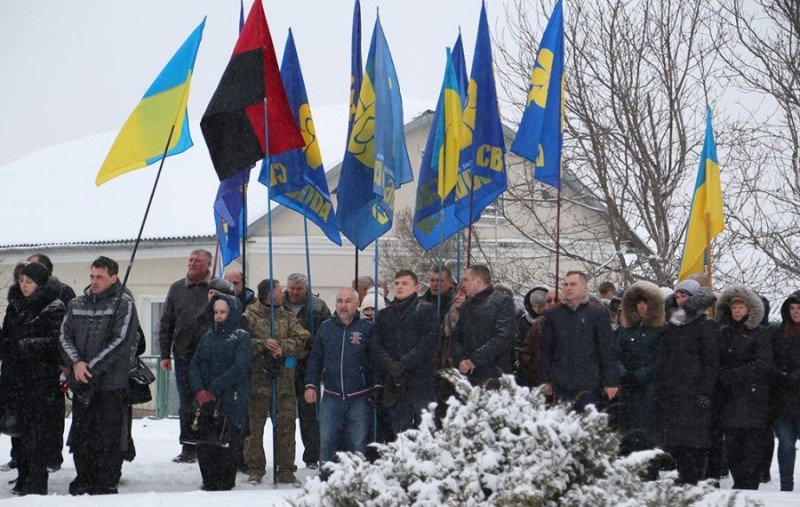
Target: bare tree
{"points": [[638, 81], [763, 54]]}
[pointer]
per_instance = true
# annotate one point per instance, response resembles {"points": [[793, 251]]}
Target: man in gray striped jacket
{"points": [[98, 341]]}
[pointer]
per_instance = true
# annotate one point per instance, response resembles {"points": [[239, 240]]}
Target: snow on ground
{"points": [[154, 480]]}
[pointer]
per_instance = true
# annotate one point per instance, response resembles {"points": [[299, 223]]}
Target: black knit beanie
{"points": [[36, 272]]}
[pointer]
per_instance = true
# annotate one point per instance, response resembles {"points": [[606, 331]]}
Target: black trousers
{"points": [[97, 438], [745, 447], [307, 413], [691, 463], [30, 455], [218, 465], [53, 438]]}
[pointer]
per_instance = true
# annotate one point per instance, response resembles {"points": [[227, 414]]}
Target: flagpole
{"points": [[469, 226], [216, 248], [558, 235], [147, 211], [377, 288], [355, 279], [309, 299], [244, 237]]}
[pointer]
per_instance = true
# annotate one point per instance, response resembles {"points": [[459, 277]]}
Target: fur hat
{"points": [[689, 286], [221, 285], [36, 272]]}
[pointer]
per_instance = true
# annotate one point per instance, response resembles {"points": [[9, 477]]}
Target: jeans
{"points": [[185, 397], [348, 416], [788, 431]]}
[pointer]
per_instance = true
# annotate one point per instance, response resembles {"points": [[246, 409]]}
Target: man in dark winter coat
{"points": [[340, 359], [311, 311], [688, 372], [786, 381], [181, 330], [98, 343], [483, 340], [440, 291], [405, 335], [578, 357], [744, 381]]}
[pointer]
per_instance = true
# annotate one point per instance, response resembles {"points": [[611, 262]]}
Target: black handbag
{"points": [[139, 379], [10, 421], [208, 425]]}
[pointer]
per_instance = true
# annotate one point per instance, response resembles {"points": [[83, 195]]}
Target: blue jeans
{"points": [[339, 416], [788, 431], [185, 396], [408, 415]]}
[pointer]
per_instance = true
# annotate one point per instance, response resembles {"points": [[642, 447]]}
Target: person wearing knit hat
{"points": [[37, 273], [367, 308], [687, 378]]}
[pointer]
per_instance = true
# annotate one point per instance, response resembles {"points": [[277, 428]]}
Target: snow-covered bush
{"points": [[500, 447]]}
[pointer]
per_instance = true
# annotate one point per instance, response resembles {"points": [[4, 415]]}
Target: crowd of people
{"points": [[702, 376]]}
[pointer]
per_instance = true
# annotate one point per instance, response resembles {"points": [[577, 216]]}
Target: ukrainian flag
{"points": [[144, 135], [706, 219]]}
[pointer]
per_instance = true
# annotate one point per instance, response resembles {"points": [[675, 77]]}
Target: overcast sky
{"points": [[79, 67]]}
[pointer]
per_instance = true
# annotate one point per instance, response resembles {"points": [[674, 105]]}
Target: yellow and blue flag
{"points": [[356, 71], [229, 236], [540, 135], [296, 178], [460, 69], [144, 135], [434, 213], [483, 166], [706, 219], [376, 162]]}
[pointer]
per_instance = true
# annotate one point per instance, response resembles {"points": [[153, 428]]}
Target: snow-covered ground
{"points": [[153, 479]]}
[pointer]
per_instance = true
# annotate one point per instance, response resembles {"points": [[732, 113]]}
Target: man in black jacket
{"points": [[406, 334], [440, 291], [483, 340], [578, 361]]}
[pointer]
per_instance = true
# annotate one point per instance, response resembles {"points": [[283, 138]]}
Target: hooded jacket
{"points": [[745, 361], [29, 347], [689, 369], [637, 348], [84, 336], [221, 363], [786, 365]]}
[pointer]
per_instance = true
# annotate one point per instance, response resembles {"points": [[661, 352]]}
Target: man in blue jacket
{"points": [[340, 358]]}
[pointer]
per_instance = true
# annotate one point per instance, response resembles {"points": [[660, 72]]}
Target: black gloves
{"points": [[703, 401]]}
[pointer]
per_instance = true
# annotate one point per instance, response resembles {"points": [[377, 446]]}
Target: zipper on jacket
{"points": [[341, 363]]}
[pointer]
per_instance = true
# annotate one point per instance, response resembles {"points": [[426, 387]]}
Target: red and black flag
{"points": [[233, 124]]}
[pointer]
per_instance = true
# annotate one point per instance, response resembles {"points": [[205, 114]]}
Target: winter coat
{"points": [[408, 332], [447, 301], [745, 362], [320, 310], [526, 320], [289, 332], [341, 358], [637, 349], [577, 349], [530, 356], [84, 337], [29, 345], [786, 366], [484, 334], [688, 369], [180, 329], [221, 363]]}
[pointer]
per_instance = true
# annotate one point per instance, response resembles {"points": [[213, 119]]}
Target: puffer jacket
{"points": [[745, 361], [29, 346], [84, 337], [637, 348], [485, 334], [689, 369], [289, 332], [221, 363], [786, 366], [341, 358], [578, 347]]}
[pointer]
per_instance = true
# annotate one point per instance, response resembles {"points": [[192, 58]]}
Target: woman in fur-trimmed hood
{"points": [[785, 400], [688, 371], [744, 380], [637, 344]]}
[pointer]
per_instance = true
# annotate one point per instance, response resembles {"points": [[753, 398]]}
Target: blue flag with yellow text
{"points": [[376, 162], [297, 177], [706, 219], [356, 72], [483, 163], [540, 134], [460, 68], [228, 236], [434, 213], [143, 137]]}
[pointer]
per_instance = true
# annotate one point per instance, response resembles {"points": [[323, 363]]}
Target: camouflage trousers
{"points": [[260, 410]]}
